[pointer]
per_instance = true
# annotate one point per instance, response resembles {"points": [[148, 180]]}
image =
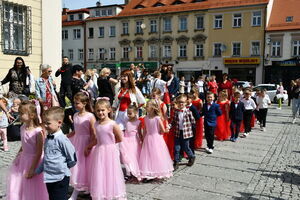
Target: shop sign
{"points": [[286, 63], [241, 61], [147, 65]]}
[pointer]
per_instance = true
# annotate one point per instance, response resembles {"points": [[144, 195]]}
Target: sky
{"points": [[75, 4]]}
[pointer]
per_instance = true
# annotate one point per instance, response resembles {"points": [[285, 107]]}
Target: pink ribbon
{"points": [[85, 92], [103, 98], [38, 109]]}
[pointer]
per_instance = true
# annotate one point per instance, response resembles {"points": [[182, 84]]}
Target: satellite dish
{"points": [[223, 47], [143, 26]]}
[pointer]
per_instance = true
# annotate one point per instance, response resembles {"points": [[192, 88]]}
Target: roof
{"points": [[65, 21], [82, 10], [280, 11], [105, 6], [148, 7]]}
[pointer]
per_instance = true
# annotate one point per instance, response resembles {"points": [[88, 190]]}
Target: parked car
{"points": [[271, 91], [244, 84]]}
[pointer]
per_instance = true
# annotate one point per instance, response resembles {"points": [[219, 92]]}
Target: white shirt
{"points": [[158, 83], [263, 102], [200, 85], [249, 104], [180, 117]]}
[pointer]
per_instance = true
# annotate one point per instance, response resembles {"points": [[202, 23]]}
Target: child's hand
{"points": [[29, 174]]}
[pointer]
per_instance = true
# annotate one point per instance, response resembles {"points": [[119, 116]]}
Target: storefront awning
{"points": [[290, 62]]}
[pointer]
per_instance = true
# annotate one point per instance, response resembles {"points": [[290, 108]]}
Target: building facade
{"points": [[26, 31], [282, 52]]}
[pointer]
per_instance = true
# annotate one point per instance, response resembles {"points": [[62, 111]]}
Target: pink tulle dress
{"points": [[81, 171], [18, 186], [107, 179], [155, 160], [130, 149]]}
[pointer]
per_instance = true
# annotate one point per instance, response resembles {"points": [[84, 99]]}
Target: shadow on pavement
{"points": [[249, 196]]}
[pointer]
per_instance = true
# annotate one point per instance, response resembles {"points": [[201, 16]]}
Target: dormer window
{"points": [[97, 13], [158, 4], [80, 17], [289, 19], [177, 2], [104, 13], [109, 12], [139, 7], [71, 17]]}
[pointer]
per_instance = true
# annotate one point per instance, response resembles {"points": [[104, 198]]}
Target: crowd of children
{"points": [[150, 147]]}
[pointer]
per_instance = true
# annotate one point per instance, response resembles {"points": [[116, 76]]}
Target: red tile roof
{"points": [[187, 5], [280, 11], [82, 10], [65, 21]]}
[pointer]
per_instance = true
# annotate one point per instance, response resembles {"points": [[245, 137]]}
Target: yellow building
{"points": [[26, 32], [195, 36]]}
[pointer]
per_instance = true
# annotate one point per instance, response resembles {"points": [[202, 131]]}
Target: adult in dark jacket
{"points": [[105, 84], [16, 77], [173, 84], [65, 85]]}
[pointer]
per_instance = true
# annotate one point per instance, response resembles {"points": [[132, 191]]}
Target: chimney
{"points": [[98, 3], [65, 11]]}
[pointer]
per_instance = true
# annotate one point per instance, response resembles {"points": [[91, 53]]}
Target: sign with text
{"points": [[241, 61]]}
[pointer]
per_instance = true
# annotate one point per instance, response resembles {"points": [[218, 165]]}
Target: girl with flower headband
{"points": [[22, 181], [81, 137], [107, 179]]}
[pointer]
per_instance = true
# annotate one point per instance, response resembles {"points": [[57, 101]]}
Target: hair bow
{"points": [[38, 109], [103, 98], [85, 92]]}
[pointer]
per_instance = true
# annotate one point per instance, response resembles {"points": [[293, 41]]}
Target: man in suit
{"points": [[210, 112], [236, 113], [173, 84]]}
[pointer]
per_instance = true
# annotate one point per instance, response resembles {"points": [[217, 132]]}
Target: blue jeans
{"points": [[185, 145], [296, 107]]}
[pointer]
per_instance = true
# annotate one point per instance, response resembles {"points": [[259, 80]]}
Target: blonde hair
{"points": [[104, 71], [89, 72], [55, 112], [104, 102], [30, 108], [154, 106]]}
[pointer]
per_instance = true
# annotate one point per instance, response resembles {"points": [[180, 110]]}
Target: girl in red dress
{"points": [[226, 85], [222, 131], [197, 102]]}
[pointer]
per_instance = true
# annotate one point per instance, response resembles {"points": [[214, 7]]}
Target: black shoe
{"points": [[175, 165], [191, 161]]}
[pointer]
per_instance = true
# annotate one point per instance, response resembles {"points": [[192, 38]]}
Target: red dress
{"points": [[222, 131], [213, 87], [199, 127], [226, 86], [168, 137]]}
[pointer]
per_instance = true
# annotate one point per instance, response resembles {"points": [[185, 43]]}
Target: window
{"points": [[97, 13], [65, 34], [76, 34], [289, 19], [91, 32], [112, 31], [276, 49], [125, 28], [138, 27], [91, 54], [153, 51], [237, 20], [112, 53], [71, 54], [296, 48], [236, 49], [109, 12], [217, 49], [101, 53], [255, 48], [125, 52], [167, 51], [199, 22], [167, 25], [103, 12], [139, 52], [153, 26], [182, 50], [199, 50], [16, 34], [101, 31], [80, 17], [80, 54], [256, 18], [71, 17], [218, 21], [183, 23]]}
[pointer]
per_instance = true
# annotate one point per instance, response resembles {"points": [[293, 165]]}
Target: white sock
{"points": [[74, 195]]}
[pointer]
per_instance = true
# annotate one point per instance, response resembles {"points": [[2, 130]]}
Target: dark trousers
{"points": [[256, 113], [58, 190], [209, 135], [235, 128], [65, 90], [185, 145], [247, 120], [263, 116]]}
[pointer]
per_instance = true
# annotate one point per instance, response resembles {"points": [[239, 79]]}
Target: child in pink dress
{"points": [[84, 122], [23, 184], [130, 147], [107, 179], [155, 161]]}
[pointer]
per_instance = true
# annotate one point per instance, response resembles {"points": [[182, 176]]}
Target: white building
{"points": [[39, 34], [73, 34]]}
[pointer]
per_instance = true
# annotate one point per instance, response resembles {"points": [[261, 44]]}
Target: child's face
{"points": [[52, 125], [182, 103], [102, 112], [189, 101], [210, 98], [16, 102], [247, 95], [79, 105], [236, 98], [24, 117], [155, 96], [131, 113]]}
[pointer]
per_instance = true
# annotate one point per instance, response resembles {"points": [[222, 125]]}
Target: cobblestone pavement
{"points": [[264, 165]]}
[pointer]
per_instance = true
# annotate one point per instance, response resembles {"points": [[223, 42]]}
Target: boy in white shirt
{"points": [[250, 106], [263, 101]]}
